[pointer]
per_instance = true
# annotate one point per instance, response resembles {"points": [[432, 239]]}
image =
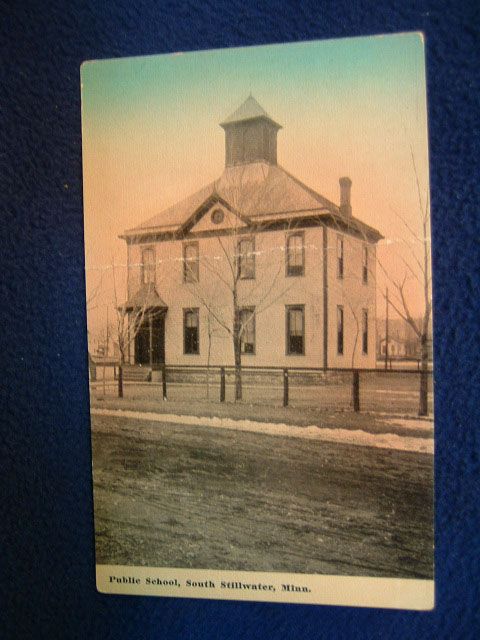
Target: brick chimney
{"points": [[345, 188]]}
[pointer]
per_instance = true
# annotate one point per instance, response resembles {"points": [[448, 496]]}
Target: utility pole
{"points": [[386, 329], [105, 355], [108, 337]]}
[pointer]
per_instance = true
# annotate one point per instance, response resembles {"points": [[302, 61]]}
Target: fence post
{"points": [[222, 384], [164, 381], [285, 387], [356, 390]]}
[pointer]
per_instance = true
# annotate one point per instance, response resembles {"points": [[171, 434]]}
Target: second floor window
{"points": [[340, 330], [295, 330], [340, 257], [364, 331], [365, 264], [191, 331], [190, 262], [246, 259], [247, 328], [295, 255], [148, 266]]}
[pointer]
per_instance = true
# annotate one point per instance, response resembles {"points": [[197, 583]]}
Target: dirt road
{"points": [[189, 496]]}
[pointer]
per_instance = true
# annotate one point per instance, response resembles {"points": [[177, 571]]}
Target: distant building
{"points": [[396, 348], [403, 342], [304, 266]]}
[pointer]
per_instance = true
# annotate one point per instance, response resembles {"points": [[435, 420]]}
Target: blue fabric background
{"points": [[46, 558]]}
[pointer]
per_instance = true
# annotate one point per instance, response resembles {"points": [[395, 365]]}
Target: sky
{"points": [[355, 107]]}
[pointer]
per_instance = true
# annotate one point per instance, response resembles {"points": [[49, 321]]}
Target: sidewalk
{"points": [[374, 423]]}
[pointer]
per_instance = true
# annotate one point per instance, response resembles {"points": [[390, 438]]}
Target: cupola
{"points": [[250, 135]]}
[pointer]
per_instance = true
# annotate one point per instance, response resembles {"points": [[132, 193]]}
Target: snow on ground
{"points": [[410, 423], [347, 436]]}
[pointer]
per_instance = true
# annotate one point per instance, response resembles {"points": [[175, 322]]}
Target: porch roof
{"points": [[147, 298]]}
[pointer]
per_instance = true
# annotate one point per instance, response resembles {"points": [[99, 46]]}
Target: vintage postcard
{"points": [[258, 276]]}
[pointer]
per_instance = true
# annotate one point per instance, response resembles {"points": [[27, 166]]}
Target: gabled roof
{"points": [[257, 192], [254, 190], [174, 216], [259, 189], [249, 110]]}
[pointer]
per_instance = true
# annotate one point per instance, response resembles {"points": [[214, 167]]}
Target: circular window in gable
{"points": [[217, 216]]}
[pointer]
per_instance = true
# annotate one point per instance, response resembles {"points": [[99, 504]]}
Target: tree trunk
{"points": [[120, 380], [209, 333], [423, 401], [238, 369], [237, 348], [356, 390]]}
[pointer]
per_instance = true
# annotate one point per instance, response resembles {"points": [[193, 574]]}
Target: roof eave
{"points": [[228, 123]]}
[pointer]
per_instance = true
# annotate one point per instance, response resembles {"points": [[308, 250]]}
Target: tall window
{"points": [[148, 266], [190, 262], [295, 254], [340, 257], [246, 259], [247, 323], [365, 264], [191, 340], [295, 330], [340, 330], [365, 331]]}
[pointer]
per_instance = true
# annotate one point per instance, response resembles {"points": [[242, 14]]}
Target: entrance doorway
{"points": [[150, 341]]}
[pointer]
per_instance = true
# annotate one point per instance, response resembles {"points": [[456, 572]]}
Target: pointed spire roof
{"points": [[248, 110]]}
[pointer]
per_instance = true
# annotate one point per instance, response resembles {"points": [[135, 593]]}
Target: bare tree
{"points": [[238, 250], [92, 296], [354, 312], [234, 262], [417, 268], [212, 332], [128, 322], [92, 303]]}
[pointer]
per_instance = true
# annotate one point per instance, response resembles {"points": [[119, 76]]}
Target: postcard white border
{"points": [[391, 593]]}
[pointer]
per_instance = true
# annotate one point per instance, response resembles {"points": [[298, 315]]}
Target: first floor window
{"points": [[190, 331], [247, 330], [295, 255], [340, 330], [148, 266], [365, 331], [296, 330], [190, 262]]}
